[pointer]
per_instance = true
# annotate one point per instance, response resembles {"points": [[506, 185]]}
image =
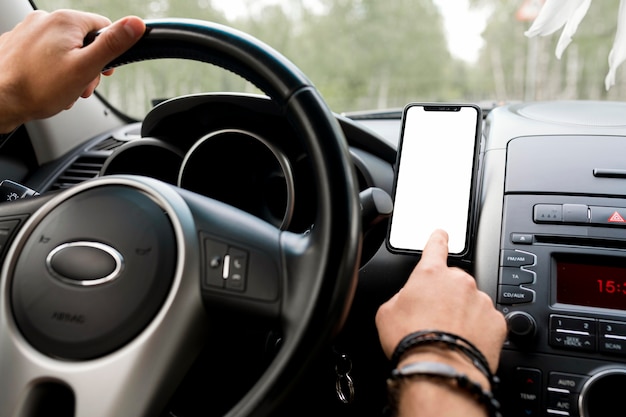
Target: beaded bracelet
{"points": [[445, 372], [451, 341]]}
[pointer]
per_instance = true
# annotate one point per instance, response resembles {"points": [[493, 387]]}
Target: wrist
{"points": [[447, 357], [439, 388], [444, 341], [10, 114], [434, 398], [430, 359]]}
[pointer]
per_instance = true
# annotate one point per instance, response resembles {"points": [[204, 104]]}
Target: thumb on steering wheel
{"points": [[114, 40]]}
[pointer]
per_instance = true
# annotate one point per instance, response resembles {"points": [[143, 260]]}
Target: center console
{"points": [[559, 272]]}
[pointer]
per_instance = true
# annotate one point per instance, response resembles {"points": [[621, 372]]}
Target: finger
{"points": [[90, 88], [115, 40], [436, 249]]}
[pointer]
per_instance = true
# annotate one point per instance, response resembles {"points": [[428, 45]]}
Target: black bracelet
{"points": [[451, 341], [447, 372]]}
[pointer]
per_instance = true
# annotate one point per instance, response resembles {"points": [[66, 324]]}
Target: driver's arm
{"points": [[44, 68], [437, 297]]}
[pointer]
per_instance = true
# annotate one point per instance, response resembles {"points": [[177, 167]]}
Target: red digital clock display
{"points": [[601, 283]]}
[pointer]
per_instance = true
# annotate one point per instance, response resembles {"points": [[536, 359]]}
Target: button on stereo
{"points": [[513, 274], [516, 258], [573, 333], [516, 276], [512, 294], [612, 337], [563, 393], [579, 214]]}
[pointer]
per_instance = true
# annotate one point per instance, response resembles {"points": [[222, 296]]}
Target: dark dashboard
{"points": [[550, 247]]}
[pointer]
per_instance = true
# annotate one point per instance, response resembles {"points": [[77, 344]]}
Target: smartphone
{"points": [[435, 179]]}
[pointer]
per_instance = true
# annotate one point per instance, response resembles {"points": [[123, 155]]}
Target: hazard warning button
{"points": [[608, 216]]}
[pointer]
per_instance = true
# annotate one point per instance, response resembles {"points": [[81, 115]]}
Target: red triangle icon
{"points": [[616, 218]]}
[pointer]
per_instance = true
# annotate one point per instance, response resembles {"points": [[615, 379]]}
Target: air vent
{"points": [[82, 169], [108, 144]]}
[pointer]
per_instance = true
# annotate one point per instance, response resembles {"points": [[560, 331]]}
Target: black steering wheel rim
{"points": [[326, 257], [337, 226], [222, 46]]}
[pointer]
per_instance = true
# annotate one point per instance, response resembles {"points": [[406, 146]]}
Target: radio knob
{"points": [[521, 325]]}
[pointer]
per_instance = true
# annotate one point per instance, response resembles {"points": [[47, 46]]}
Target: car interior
{"points": [[227, 253]]}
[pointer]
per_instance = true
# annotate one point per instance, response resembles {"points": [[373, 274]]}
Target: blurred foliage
{"points": [[368, 54]]}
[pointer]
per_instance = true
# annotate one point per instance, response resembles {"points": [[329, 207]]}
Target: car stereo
{"points": [[562, 283]]}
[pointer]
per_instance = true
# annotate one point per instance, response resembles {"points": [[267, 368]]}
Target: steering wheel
{"points": [[104, 286]]}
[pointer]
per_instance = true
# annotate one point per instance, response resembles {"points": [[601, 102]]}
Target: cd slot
{"points": [[595, 242]]}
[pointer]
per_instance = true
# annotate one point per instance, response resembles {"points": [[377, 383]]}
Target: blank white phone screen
{"points": [[434, 177]]}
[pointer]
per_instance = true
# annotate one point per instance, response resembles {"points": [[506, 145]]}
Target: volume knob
{"points": [[521, 325]]}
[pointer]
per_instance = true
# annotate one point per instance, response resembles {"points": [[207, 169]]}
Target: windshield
{"points": [[370, 54]]}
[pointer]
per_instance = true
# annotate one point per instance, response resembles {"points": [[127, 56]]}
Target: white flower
{"points": [[554, 15], [569, 13], [618, 52]]}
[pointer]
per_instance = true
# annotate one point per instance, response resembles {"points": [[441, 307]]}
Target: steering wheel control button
{"points": [[236, 279], [56, 305], [516, 276], [548, 213], [512, 294], [85, 263], [226, 266], [517, 258], [214, 255]]}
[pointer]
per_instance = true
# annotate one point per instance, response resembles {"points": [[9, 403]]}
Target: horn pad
{"points": [[93, 272]]}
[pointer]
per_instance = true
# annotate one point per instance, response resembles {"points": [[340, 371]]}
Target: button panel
{"points": [[528, 389], [574, 340], [579, 214], [513, 274], [225, 266], [588, 334], [573, 333], [563, 392]]}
